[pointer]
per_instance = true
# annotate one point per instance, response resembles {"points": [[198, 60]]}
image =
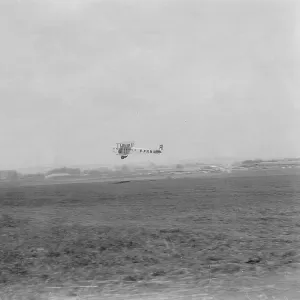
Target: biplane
{"points": [[126, 148]]}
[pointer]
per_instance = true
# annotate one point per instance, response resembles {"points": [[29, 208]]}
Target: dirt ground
{"points": [[193, 238]]}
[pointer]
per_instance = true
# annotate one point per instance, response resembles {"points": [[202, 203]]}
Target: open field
{"points": [[210, 236]]}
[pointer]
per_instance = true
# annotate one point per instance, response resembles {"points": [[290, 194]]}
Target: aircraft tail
{"points": [[161, 147]]}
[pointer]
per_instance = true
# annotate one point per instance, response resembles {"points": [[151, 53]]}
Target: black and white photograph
{"points": [[149, 149]]}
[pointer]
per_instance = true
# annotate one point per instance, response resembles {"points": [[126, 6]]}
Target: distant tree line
{"points": [[71, 171], [257, 161], [252, 161]]}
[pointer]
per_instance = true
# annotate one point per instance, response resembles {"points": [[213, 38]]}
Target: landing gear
{"points": [[123, 156]]}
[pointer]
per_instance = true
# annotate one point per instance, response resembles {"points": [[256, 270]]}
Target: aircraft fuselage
{"points": [[124, 149]]}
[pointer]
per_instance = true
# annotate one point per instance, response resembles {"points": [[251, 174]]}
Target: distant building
{"points": [[8, 175]]}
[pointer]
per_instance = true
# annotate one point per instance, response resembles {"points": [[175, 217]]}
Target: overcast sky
{"points": [[205, 78]]}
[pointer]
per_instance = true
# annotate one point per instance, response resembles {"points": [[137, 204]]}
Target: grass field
{"points": [[210, 236]]}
